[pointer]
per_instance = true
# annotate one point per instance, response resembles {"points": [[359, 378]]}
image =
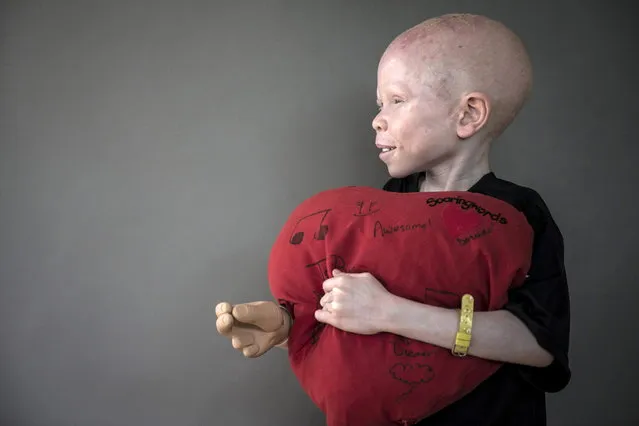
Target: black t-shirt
{"points": [[516, 394]]}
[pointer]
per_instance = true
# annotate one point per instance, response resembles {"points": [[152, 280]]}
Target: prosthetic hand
{"points": [[254, 328]]}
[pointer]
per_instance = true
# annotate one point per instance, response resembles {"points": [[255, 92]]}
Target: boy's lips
{"points": [[385, 148], [387, 151]]}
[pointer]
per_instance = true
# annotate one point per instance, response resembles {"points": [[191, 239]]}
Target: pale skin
{"points": [[448, 136], [360, 304]]}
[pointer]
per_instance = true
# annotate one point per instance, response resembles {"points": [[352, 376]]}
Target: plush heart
{"points": [[461, 223], [428, 247]]}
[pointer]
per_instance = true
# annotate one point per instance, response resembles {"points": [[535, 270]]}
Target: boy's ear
{"points": [[472, 115]]}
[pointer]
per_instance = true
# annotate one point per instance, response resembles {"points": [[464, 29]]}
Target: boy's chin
{"points": [[399, 172]]}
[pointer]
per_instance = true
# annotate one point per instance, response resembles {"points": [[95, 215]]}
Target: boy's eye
{"points": [[394, 102]]}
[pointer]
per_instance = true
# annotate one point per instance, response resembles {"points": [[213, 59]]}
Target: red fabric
{"points": [[428, 247]]}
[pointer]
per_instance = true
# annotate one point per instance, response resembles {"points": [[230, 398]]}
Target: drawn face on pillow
{"points": [[428, 247]]}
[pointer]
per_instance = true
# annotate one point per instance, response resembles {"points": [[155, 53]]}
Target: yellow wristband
{"points": [[463, 336]]}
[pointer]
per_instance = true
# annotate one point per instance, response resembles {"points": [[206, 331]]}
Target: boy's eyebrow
{"points": [[398, 86]]}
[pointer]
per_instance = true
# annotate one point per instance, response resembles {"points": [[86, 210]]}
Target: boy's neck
{"points": [[458, 175]]}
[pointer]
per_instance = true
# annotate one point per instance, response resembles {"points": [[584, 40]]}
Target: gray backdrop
{"points": [[151, 150]]}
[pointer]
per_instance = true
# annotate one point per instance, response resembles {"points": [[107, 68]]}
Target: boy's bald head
{"points": [[460, 54]]}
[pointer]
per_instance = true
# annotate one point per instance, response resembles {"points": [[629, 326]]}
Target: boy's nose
{"points": [[379, 123]]}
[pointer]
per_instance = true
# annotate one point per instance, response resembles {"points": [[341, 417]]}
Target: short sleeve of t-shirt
{"points": [[542, 302]]}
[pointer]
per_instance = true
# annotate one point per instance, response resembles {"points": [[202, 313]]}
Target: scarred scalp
{"points": [[457, 54]]}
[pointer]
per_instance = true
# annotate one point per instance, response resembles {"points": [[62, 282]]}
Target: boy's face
{"points": [[416, 118]]}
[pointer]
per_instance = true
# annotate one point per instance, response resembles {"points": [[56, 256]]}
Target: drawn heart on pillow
{"points": [[461, 223], [412, 374]]}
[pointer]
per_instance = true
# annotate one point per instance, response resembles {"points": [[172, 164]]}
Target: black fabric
{"points": [[516, 394]]}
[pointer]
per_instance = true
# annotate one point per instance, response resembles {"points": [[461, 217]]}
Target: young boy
{"points": [[447, 88]]}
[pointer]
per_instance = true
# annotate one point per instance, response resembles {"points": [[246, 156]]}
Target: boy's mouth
{"points": [[387, 152], [385, 148]]}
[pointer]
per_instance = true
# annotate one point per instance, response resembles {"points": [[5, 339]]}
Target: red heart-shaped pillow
{"points": [[427, 247]]}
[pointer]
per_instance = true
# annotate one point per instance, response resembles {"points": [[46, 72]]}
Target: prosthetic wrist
{"points": [[287, 323]]}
